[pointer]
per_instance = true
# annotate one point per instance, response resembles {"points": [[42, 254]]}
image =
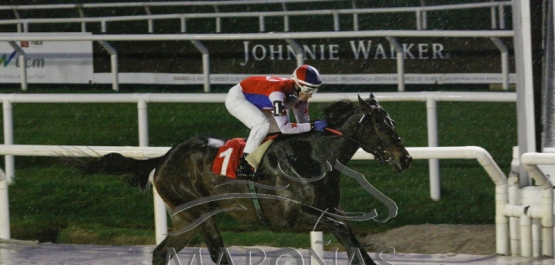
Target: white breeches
{"points": [[260, 122]]}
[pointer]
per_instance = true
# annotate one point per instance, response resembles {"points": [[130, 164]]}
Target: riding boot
{"points": [[245, 170]]}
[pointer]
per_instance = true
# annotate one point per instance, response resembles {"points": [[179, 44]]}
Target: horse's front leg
{"points": [[343, 232]]}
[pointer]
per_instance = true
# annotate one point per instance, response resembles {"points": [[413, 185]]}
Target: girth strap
{"points": [[256, 203]]}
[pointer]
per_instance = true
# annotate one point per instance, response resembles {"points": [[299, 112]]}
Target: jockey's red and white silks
{"points": [[260, 102]]}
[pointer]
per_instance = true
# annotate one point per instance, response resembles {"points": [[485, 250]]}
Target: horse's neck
{"points": [[346, 146], [340, 148]]}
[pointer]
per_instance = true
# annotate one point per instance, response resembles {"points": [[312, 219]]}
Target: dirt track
{"points": [[436, 239]]}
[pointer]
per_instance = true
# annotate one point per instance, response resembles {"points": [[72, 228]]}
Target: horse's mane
{"points": [[338, 111]]}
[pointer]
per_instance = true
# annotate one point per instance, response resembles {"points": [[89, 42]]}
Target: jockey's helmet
{"points": [[307, 78]]}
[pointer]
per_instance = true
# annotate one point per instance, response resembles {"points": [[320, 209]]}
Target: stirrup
{"points": [[245, 175], [245, 170]]}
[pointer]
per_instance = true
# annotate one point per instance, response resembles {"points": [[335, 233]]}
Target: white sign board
{"points": [[48, 61], [349, 79]]}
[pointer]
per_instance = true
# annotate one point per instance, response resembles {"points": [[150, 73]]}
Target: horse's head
{"points": [[379, 136], [371, 127]]}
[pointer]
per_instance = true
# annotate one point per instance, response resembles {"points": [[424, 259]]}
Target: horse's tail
{"points": [[135, 171]]}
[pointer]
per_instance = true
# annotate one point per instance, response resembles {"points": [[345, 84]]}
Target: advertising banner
{"points": [[48, 61], [340, 61]]}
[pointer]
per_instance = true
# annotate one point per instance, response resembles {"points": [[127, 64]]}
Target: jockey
{"points": [[260, 102]]}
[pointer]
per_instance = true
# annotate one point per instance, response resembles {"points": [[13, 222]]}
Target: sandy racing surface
{"points": [[436, 239], [418, 244]]}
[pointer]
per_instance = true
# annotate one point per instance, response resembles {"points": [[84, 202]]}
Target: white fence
{"points": [[197, 39], [142, 101], [497, 14], [530, 209], [497, 10], [478, 153], [430, 98], [505, 206]]}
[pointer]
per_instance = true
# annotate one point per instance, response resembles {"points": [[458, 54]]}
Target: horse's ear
{"points": [[364, 104], [372, 100]]}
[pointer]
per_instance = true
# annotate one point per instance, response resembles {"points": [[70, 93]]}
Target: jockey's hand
{"points": [[319, 125]]}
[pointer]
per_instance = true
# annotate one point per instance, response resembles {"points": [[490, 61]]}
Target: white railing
{"points": [[469, 152], [489, 165], [531, 243], [506, 206], [196, 39], [530, 208], [155, 4], [142, 151], [421, 22], [160, 218], [142, 101]]}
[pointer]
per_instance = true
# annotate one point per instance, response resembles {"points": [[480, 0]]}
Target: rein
{"points": [[378, 152], [334, 131]]}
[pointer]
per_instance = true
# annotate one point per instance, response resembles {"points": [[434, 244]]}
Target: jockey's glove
{"points": [[319, 125]]}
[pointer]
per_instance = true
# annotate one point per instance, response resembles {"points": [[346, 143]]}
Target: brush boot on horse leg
{"points": [[298, 167], [342, 232]]}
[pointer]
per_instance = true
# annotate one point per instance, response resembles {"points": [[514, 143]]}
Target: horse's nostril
{"points": [[407, 159]]}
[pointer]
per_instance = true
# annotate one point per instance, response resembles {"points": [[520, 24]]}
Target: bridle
{"points": [[379, 151]]}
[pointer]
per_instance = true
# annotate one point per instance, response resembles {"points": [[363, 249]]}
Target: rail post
{"points": [[205, 63], [504, 62], [400, 63], [4, 207], [298, 51], [23, 68], [160, 218], [431, 112], [9, 160], [114, 63]]}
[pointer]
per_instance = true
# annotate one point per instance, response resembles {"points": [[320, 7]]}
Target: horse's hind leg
{"points": [[209, 232], [207, 229], [175, 242]]}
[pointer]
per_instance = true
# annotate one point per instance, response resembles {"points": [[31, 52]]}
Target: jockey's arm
{"points": [[280, 115], [287, 127], [301, 112]]}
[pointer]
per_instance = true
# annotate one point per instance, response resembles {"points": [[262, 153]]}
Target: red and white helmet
{"points": [[307, 78]]}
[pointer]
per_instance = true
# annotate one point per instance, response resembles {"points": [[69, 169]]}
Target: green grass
{"points": [[50, 202]]}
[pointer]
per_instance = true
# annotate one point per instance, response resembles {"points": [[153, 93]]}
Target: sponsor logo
{"points": [[5, 60], [360, 50]]}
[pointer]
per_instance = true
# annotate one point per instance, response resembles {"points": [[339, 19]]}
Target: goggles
{"points": [[307, 88]]}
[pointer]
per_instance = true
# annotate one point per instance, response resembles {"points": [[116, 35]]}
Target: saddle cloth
{"points": [[229, 155]]}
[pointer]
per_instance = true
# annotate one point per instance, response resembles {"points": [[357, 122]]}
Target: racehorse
{"points": [[297, 186]]}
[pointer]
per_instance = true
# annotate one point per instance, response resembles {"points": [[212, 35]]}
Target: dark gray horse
{"points": [[297, 185]]}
